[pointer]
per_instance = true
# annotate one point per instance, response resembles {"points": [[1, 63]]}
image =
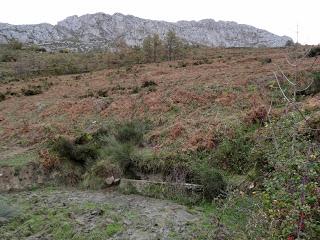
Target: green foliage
{"points": [[213, 182], [290, 196], [15, 44], [130, 132], [81, 154], [233, 152], [95, 176], [113, 228], [8, 56], [316, 82], [314, 52]]}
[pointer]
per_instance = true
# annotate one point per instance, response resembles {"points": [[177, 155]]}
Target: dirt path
{"points": [[53, 214]]}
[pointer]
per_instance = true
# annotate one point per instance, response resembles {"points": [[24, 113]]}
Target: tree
{"points": [[173, 45], [152, 48], [157, 46], [147, 49]]}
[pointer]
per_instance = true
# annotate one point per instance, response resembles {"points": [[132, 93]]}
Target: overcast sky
{"points": [[278, 16]]}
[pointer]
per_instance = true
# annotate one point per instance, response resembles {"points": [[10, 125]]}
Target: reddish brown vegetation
{"points": [[203, 99]]}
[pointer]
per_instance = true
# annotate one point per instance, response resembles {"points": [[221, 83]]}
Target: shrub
{"points": [[233, 152], [102, 93], [289, 43], [135, 90], [79, 154], [130, 132], [124, 154], [32, 90], [314, 88], [182, 64], [314, 52], [266, 60], [15, 44], [257, 115], [212, 181], [8, 57], [2, 97], [316, 82], [148, 84], [95, 177]]}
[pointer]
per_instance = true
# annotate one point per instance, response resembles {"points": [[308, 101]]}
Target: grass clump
{"points": [[130, 132], [80, 154], [113, 228]]}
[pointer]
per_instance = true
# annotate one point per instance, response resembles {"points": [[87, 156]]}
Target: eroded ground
{"points": [[56, 214]]}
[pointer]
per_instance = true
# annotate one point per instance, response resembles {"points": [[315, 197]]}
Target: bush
{"points": [[2, 97], [289, 43], [95, 177], [79, 154], [233, 152], [32, 90], [15, 45], [314, 52], [8, 57], [212, 181], [266, 60], [130, 132], [148, 84]]}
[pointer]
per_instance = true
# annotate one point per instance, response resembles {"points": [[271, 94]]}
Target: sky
{"points": [[282, 17]]}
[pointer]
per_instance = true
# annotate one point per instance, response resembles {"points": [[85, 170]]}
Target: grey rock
{"points": [[101, 30], [3, 221], [109, 181]]}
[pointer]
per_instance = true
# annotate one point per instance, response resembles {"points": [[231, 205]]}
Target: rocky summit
{"points": [[101, 30]]}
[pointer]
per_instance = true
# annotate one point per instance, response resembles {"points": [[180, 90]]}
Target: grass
{"points": [[58, 221], [20, 160], [113, 228]]}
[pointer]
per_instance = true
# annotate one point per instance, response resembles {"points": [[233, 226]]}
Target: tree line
{"points": [[154, 49]]}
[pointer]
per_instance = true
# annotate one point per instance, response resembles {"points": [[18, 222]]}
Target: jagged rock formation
{"points": [[100, 30]]}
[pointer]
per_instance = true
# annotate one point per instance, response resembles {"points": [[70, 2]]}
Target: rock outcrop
{"points": [[101, 30]]}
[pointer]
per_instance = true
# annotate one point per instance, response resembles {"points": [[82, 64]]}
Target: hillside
{"points": [[102, 30], [217, 118]]}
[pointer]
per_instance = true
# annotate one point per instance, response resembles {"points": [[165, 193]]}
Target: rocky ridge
{"points": [[101, 30]]}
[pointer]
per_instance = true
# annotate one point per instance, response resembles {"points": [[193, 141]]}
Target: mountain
{"points": [[100, 30]]}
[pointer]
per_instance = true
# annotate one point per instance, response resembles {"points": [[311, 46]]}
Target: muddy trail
{"points": [[74, 214]]}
